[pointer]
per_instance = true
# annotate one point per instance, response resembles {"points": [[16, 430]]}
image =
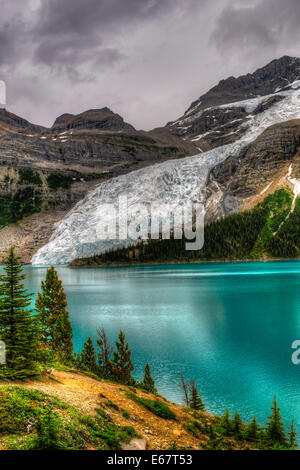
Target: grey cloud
{"points": [[263, 25], [72, 32], [145, 59]]}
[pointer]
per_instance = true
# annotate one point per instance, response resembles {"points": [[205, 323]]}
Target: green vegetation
{"points": [[55, 327], [49, 424], [18, 327], [59, 180], [15, 207], [148, 383], [268, 229], [125, 414], [121, 364], [155, 406], [28, 176], [195, 401]]}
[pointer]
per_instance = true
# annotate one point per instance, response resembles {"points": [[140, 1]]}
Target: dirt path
{"points": [[83, 393]]}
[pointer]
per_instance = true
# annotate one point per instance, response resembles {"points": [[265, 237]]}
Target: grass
{"points": [[125, 414], [30, 419], [156, 407]]}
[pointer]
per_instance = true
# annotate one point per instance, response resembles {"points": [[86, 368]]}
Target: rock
{"points": [[244, 176], [135, 444], [220, 124]]}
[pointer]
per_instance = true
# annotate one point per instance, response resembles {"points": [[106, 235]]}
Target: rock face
{"points": [[258, 169], [222, 115]]}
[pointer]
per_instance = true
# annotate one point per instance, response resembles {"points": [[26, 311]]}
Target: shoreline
{"points": [[177, 263]]}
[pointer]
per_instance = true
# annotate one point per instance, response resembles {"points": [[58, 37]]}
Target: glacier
{"points": [[173, 181]]}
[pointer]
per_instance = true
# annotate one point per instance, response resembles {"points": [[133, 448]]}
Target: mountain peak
{"points": [[102, 119], [266, 80]]}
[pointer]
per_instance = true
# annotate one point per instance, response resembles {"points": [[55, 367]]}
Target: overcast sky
{"points": [[145, 59]]}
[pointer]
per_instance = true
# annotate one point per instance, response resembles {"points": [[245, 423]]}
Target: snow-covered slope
{"points": [[182, 180]]}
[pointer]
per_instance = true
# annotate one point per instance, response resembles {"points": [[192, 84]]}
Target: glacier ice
{"points": [[176, 181]]}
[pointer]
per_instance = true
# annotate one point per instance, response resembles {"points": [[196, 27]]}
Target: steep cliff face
{"points": [[258, 169], [223, 115]]}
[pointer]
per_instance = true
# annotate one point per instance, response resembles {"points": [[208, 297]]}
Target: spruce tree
{"points": [[18, 327], [253, 431], [226, 423], [275, 427], [292, 436], [62, 338], [237, 425], [195, 401], [122, 365], [51, 305], [88, 356], [148, 383], [104, 353]]}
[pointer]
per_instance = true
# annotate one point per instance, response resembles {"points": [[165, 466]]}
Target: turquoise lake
{"points": [[229, 326]]}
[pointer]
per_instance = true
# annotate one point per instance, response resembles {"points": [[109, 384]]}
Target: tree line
{"points": [[267, 229]]}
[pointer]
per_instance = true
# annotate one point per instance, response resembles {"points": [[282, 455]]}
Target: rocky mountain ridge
{"points": [[223, 115]]}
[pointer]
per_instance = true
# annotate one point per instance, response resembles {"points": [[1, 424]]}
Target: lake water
{"points": [[230, 326]]}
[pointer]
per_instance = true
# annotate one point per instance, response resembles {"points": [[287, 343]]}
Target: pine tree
{"points": [[275, 427], [51, 305], [292, 436], [237, 425], [148, 383], [62, 338], [88, 356], [122, 365], [253, 431], [226, 423], [18, 327], [104, 354], [195, 401]]}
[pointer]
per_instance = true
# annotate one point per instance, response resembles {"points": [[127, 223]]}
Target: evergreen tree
{"points": [[18, 327], [148, 383], [226, 423], [51, 305], [275, 427], [88, 356], [253, 431], [292, 436], [122, 365], [237, 425], [195, 401], [62, 338], [104, 354]]}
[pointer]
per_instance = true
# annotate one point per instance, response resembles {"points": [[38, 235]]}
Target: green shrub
{"points": [[125, 414], [155, 406], [28, 176], [47, 428], [58, 180]]}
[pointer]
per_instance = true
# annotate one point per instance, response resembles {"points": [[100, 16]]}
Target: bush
{"points": [[155, 406], [47, 428], [58, 180], [28, 176]]}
